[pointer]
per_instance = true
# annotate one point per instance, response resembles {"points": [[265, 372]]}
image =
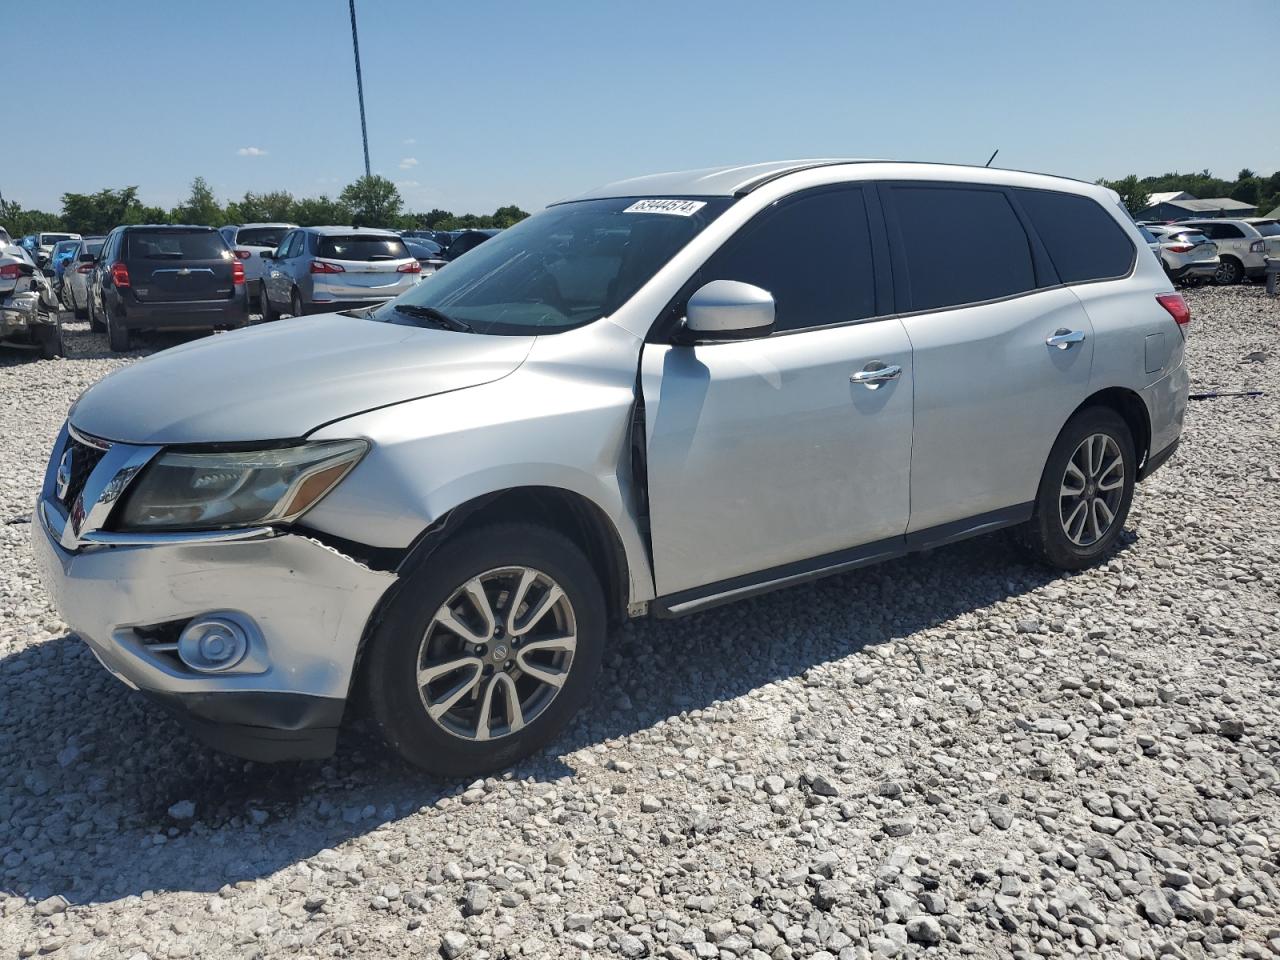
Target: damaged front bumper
{"points": [[303, 605]]}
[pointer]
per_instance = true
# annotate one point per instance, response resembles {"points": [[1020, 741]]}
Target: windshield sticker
{"points": [[678, 208]]}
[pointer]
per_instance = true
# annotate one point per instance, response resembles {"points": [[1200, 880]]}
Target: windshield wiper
{"points": [[432, 315]]}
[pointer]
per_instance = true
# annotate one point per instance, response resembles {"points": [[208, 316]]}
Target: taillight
{"points": [[322, 266], [10, 271], [85, 268], [237, 273], [1180, 248], [1257, 246], [119, 274], [243, 254], [1177, 308], [412, 266]]}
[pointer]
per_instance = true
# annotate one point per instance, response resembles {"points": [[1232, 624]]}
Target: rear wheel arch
{"points": [[1132, 408]]}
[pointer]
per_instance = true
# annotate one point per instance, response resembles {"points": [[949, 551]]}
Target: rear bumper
{"points": [[183, 314], [1157, 460], [1204, 269]]}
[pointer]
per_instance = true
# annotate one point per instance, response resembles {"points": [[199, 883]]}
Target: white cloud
{"points": [[251, 152], [408, 163]]}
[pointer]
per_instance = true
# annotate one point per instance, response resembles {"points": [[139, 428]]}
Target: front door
{"points": [[765, 455]]}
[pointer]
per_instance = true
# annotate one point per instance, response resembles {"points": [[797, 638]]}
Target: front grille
{"points": [[83, 458]]}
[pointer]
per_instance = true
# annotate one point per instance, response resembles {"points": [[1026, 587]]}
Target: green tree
{"points": [[20, 222], [201, 206], [507, 216], [273, 207], [319, 211], [373, 201], [95, 213], [1133, 194]]}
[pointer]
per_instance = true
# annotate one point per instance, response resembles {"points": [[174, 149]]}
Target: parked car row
{"points": [[1242, 246]]}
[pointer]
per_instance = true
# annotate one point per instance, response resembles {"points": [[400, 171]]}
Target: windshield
{"points": [[562, 268], [1269, 228], [50, 238], [65, 247]]}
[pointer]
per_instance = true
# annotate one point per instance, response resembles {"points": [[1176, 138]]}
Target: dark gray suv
{"points": [[165, 278]]}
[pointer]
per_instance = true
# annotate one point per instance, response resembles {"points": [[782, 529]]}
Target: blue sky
{"points": [[474, 104]]}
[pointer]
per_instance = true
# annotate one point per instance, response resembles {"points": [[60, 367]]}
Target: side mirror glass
{"points": [[729, 310]]}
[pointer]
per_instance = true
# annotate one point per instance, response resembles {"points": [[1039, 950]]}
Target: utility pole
{"points": [[364, 130]]}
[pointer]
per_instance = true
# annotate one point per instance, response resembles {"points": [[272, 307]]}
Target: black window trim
{"points": [[665, 326]]}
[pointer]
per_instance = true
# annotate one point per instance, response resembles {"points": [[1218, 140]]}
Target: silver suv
{"points": [[666, 394], [320, 269]]}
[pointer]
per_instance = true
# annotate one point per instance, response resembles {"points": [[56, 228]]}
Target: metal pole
{"points": [[355, 43]]}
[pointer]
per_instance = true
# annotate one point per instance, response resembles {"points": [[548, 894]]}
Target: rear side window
{"points": [[1083, 240], [812, 252], [990, 259], [363, 248], [176, 245], [261, 236], [1221, 231], [1268, 229]]}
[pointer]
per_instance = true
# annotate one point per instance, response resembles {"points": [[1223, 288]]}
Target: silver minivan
{"points": [[321, 269], [666, 394]]}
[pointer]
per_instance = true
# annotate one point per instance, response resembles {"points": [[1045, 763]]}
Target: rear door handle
{"points": [[1063, 338], [876, 373]]}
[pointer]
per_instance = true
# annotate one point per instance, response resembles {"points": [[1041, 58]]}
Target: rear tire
{"points": [[1230, 271], [50, 340], [117, 335], [1085, 492], [457, 735]]}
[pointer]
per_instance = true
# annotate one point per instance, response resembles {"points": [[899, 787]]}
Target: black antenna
{"points": [[355, 43], [992, 157]]}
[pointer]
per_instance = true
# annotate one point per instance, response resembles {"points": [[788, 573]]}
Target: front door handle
{"points": [[876, 373], [1063, 338]]}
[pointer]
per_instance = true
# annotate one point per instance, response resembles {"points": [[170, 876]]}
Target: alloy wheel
{"points": [[496, 653], [1091, 490], [1226, 273]]}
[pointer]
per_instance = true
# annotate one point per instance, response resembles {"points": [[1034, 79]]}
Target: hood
{"points": [[282, 380]]}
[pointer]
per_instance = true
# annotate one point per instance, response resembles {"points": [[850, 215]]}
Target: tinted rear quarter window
{"points": [[1082, 239], [812, 252], [362, 248], [176, 245], [1268, 229], [990, 260]]}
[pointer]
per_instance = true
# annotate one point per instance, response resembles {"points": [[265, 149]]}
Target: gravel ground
{"points": [[952, 754]]}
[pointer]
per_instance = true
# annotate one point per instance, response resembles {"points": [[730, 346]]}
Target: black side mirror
{"points": [[88, 258], [267, 255]]}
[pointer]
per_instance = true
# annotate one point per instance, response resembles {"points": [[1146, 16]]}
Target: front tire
{"points": [[488, 650], [269, 314], [1230, 271], [295, 303], [1085, 492]]}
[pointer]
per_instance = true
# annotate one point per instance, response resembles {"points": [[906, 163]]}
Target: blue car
{"points": [[64, 251]]}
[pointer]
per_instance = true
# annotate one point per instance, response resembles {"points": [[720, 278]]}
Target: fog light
{"points": [[211, 644]]}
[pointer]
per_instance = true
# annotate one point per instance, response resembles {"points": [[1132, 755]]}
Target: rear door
{"points": [[176, 265], [991, 391], [277, 279]]}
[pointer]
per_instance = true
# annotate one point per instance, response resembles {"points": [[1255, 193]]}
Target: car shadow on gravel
{"points": [[89, 771]]}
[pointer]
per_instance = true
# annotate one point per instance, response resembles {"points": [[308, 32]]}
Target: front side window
{"points": [[562, 268], [812, 252], [1082, 239], [960, 245]]}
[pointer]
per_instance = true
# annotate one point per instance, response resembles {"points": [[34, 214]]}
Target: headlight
{"points": [[201, 491]]}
